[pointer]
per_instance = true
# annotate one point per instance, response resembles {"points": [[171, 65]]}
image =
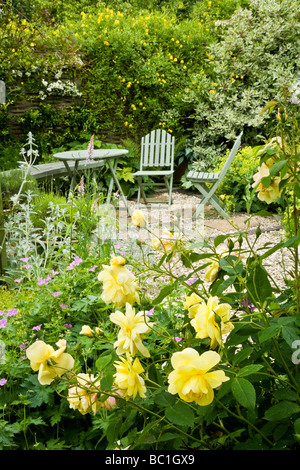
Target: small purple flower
{"points": [[25, 259], [55, 273], [178, 339], [63, 306], [3, 323], [37, 328], [56, 294], [150, 312], [19, 280], [27, 266], [191, 281], [2, 382], [23, 346], [42, 282], [12, 312], [67, 325], [93, 268], [118, 246]]}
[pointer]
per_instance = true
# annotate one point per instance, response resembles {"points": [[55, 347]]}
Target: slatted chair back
{"points": [[157, 150], [230, 158]]}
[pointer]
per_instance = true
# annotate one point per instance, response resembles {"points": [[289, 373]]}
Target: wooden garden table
{"points": [[99, 155]]}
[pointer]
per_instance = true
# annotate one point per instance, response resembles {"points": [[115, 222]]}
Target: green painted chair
{"points": [[200, 180], [157, 160]]}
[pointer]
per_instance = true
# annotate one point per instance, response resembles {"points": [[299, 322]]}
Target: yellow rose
{"points": [[127, 378], [133, 328], [119, 285], [212, 271], [206, 324], [48, 362], [85, 395], [138, 219], [87, 331], [191, 378], [117, 261], [192, 303], [269, 194]]}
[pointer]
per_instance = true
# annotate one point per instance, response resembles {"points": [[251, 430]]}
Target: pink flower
{"points": [[178, 339], [67, 325], [63, 306], [150, 312], [12, 312], [19, 280], [42, 282], [27, 266], [3, 323], [25, 259], [191, 281], [93, 268], [2, 382], [76, 262], [56, 294], [38, 327]]}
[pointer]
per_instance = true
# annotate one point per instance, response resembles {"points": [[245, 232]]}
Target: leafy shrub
{"points": [[237, 183]]}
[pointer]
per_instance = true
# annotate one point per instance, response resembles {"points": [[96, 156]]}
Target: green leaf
{"points": [[268, 333], [165, 399], [277, 167], [282, 410], [244, 392], [250, 369], [258, 285], [290, 335], [165, 291], [103, 361], [231, 264], [241, 355], [180, 414], [220, 239]]}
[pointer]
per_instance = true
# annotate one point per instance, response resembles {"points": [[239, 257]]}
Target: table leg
{"points": [[115, 179]]}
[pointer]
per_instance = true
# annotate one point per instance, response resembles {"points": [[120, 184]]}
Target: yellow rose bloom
{"points": [[271, 193], [191, 378], [133, 327], [212, 271], [138, 218], [192, 303], [119, 284], [48, 362], [127, 378], [206, 324], [87, 331], [84, 395], [117, 261]]}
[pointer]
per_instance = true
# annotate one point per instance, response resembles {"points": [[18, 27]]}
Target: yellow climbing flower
{"points": [[127, 378], [191, 378], [138, 218], [119, 284], [85, 396], [48, 362], [192, 303], [133, 328], [212, 271], [208, 325]]}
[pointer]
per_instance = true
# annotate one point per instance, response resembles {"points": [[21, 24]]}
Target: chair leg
{"points": [[169, 185]]}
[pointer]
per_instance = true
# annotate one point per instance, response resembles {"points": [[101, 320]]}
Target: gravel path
{"points": [[160, 217]]}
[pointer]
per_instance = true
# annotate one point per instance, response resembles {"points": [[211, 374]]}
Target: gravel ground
{"points": [[160, 217]]}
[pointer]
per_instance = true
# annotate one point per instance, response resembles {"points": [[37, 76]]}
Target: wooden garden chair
{"points": [[157, 160], [200, 180]]}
